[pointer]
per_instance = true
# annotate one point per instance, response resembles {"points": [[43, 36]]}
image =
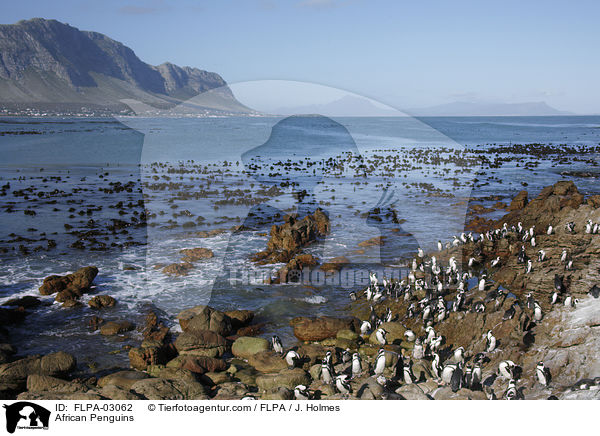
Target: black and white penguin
{"points": [[537, 312], [543, 374], [541, 255], [409, 377], [457, 378], [559, 284], [276, 344], [447, 372], [380, 335], [490, 342], [292, 358], [410, 335], [529, 267], [481, 284], [352, 296], [476, 377], [506, 369], [570, 227], [495, 262], [327, 373], [440, 246], [511, 392], [479, 307], [459, 355], [418, 350], [365, 327], [569, 265], [356, 365], [549, 230], [379, 362], [564, 255], [346, 356], [342, 385], [554, 298], [301, 392], [468, 377], [509, 313], [328, 359], [436, 368], [594, 291]]}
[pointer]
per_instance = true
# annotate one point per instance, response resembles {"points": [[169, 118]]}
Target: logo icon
{"points": [[26, 415]]}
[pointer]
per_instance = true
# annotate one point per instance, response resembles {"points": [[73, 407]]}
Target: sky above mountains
{"points": [[402, 53]]}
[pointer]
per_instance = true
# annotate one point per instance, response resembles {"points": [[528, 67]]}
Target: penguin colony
{"points": [[446, 365]]}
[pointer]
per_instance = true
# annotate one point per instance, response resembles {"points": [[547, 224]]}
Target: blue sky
{"points": [[403, 53]]}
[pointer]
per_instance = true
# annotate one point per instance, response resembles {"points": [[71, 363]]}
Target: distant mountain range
{"points": [[347, 106], [487, 109], [53, 66]]}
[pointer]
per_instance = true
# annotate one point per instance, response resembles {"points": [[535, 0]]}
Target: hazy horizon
{"points": [[402, 55]]}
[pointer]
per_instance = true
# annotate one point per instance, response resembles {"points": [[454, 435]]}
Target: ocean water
{"points": [[188, 175]]}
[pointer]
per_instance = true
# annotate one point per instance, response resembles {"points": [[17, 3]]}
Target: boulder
{"points": [[198, 364], [163, 389], [100, 301], [75, 284], [195, 254], [122, 379], [178, 269], [201, 343], [288, 378], [116, 328], [267, 361], [318, 329], [247, 346], [239, 318], [14, 374], [519, 201], [40, 383], [150, 354], [200, 318]]}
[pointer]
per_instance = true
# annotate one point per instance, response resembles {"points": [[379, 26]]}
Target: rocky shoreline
{"points": [[219, 355]]}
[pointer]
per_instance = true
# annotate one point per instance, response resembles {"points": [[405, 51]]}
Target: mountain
{"points": [[347, 106], [487, 109], [46, 63]]}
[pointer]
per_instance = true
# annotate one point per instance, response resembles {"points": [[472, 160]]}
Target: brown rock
{"points": [[77, 282], [178, 269], [519, 201], [100, 301], [317, 329], [196, 254], [116, 328]]}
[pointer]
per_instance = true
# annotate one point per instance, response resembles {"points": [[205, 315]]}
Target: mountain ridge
{"points": [[48, 62]]}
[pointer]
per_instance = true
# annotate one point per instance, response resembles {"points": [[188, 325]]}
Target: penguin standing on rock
{"points": [[327, 373], [543, 374], [490, 342], [380, 362], [537, 312], [301, 392], [409, 377], [381, 336], [276, 344], [356, 365], [292, 358], [511, 391], [457, 377], [506, 369], [342, 384]]}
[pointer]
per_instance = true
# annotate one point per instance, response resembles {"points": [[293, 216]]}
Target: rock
{"points": [[247, 346], [150, 354], [347, 334], [287, 239], [25, 302], [239, 318], [267, 361], [216, 378], [100, 301], [171, 373], [41, 396], [196, 254], [373, 242], [116, 328], [178, 269], [200, 318], [198, 364], [12, 316], [318, 329], [335, 264], [519, 201], [71, 284], [279, 394], [14, 374], [395, 333], [201, 343], [40, 383], [122, 379], [288, 378], [162, 389], [116, 393]]}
